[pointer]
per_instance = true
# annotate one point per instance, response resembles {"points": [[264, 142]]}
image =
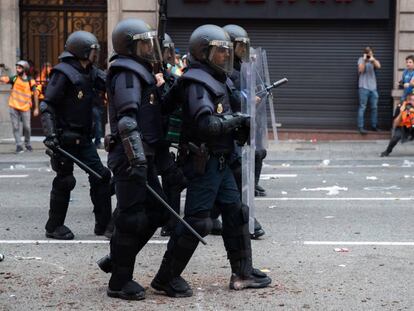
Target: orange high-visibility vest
{"points": [[21, 94]]}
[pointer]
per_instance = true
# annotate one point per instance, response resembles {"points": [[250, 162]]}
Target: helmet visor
{"points": [[221, 55], [168, 53], [242, 49], [94, 54], [147, 47]]}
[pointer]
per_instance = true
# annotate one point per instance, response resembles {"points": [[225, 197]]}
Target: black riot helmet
{"points": [[135, 38], [82, 45], [168, 50], [241, 41], [212, 45]]}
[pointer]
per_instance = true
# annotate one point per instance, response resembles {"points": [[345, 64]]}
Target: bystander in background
{"points": [[20, 103], [367, 83]]}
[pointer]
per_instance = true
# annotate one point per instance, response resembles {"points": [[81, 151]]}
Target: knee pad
{"points": [[200, 222], [132, 222], [260, 154], [64, 183]]}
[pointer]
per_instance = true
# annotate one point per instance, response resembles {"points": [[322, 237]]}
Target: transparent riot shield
{"points": [[270, 95], [261, 99], [248, 106]]}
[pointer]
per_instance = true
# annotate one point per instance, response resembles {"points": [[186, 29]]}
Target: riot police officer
{"points": [[173, 180], [66, 115], [136, 131], [241, 43], [241, 46], [208, 132]]}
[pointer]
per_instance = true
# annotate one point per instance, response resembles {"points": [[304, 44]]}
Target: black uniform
{"points": [[67, 109], [208, 134], [133, 97], [173, 180]]}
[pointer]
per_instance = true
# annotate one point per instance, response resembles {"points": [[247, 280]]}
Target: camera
{"points": [[368, 56]]}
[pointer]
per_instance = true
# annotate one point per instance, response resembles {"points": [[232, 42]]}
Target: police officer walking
{"points": [[173, 180], [136, 131], [241, 46], [208, 132], [66, 116]]}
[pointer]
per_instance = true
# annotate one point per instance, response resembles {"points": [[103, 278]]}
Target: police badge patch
{"points": [[219, 108]]}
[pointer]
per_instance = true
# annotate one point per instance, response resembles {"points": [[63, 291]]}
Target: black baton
{"points": [[155, 194], [77, 161]]}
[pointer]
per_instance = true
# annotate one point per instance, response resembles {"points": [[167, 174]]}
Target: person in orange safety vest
{"points": [[403, 124], [20, 103]]}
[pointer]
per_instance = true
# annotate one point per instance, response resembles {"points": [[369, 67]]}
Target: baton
{"points": [[154, 193], [272, 86], [159, 198], [77, 161], [276, 84]]}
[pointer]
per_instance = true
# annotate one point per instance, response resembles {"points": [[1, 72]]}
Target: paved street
{"points": [[339, 236]]}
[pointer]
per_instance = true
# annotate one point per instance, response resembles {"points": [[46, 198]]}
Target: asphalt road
{"points": [[339, 236]]}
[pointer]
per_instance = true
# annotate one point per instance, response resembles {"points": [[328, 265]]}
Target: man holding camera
{"points": [[367, 66], [403, 124]]}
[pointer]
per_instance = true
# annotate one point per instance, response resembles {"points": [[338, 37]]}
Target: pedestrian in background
{"points": [[407, 79], [367, 67], [20, 103], [403, 124]]}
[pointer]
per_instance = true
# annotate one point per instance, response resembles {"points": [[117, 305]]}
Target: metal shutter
{"points": [[320, 60]]}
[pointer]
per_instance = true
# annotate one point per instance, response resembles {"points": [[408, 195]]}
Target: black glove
{"points": [[174, 178], [244, 119], [138, 173], [242, 135], [51, 142]]}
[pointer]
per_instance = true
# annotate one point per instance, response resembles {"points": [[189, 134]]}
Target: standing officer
{"points": [[241, 46], [66, 115], [173, 180], [136, 131], [208, 132]]}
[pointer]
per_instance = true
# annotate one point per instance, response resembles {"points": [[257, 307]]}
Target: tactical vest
{"points": [[235, 78], [149, 110], [75, 112], [21, 93], [221, 106]]}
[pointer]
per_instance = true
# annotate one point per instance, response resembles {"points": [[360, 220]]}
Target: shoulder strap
{"points": [[200, 76], [126, 63], [70, 72]]}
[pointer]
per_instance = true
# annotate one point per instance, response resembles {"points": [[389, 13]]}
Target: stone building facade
{"points": [[147, 10]]}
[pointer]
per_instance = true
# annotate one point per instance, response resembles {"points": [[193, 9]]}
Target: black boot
{"points": [[256, 279], [237, 242], [130, 291], [259, 191], [60, 233], [166, 231], [59, 202], [258, 230], [217, 227], [100, 193], [105, 263], [173, 286], [258, 164]]}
